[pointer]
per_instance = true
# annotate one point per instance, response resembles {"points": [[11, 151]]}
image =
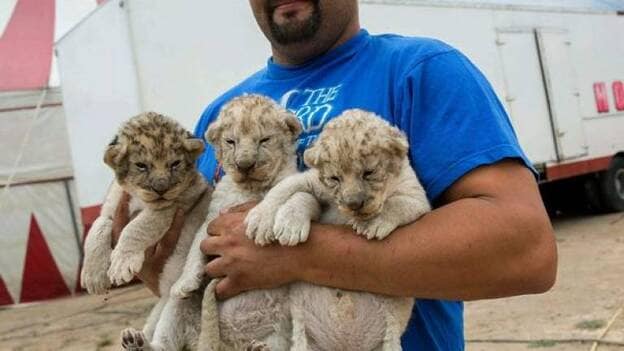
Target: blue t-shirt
{"points": [[451, 115]]}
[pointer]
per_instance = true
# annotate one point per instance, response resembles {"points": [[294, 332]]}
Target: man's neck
{"points": [[297, 54]]}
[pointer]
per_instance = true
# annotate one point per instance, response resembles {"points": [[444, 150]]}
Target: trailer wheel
{"points": [[594, 202], [612, 186]]}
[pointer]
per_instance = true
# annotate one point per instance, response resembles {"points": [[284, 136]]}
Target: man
{"points": [[489, 235]]}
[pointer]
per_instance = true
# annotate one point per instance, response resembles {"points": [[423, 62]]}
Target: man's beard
{"points": [[296, 32]]}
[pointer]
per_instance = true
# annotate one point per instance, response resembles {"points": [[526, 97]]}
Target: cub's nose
{"points": [[355, 205], [355, 202], [245, 166], [160, 186]]}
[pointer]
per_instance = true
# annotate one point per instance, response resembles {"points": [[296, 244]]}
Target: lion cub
{"points": [[154, 161], [360, 171], [255, 142]]}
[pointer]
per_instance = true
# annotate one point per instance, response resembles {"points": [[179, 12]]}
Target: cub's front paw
{"points": [[259, 223], [95, 280], [257, 346], [134, 340], [186, 284], [291, 226], [124, 265], [377, 228]]}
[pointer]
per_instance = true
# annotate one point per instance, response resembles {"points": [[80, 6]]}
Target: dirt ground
{"points": [[587, 296]]}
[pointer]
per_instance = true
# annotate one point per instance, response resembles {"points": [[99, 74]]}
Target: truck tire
{"points": [[594, 202], [612, 186]]}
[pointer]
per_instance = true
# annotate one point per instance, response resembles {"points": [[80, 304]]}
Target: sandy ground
{"points": [[588, 293]]}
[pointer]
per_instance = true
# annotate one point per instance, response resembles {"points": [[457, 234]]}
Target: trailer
{"points": [[556, 65]]}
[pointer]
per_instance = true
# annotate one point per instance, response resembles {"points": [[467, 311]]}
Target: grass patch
{"points": [[591, 324], [541, 343]]}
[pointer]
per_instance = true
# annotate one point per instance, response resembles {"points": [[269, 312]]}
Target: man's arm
{"points": [[490, 238]]}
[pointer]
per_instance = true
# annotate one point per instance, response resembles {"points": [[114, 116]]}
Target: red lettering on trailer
{"points": [[602, 99], [618, 95]]}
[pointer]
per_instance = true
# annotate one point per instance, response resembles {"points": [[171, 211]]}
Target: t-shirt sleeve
{"points": [[207, 162], [453, 120]]}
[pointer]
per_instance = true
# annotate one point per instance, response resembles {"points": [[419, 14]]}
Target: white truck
{"points": [[558, 66]]}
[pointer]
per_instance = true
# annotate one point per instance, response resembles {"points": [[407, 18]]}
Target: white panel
{"points": [[604, 135], [24, 133], [190, 52], [526, 95], [68, 14], [15, 223], [99, 92], [6, 11], [51, 208], [562, 93]]}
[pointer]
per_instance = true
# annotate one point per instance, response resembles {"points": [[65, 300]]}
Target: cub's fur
{"points": [[360, 171], [153, 158], [254, 141]]}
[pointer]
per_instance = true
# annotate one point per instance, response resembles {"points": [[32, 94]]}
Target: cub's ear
{"points": [[213, 134], [397, 143], [312, 156], [115, 153], [193, 146], [292, 125]]}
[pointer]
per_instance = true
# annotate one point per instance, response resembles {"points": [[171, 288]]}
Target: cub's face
{"points": [[254, 139], [154, 158], [358, 157]]}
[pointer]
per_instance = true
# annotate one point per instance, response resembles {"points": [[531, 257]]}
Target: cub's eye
{"points": [[368, 174], [141, 166], [334, 179], [230, 141], [262, 141], [175, 164]]}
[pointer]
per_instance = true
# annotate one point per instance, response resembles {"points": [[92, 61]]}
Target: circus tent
{"points": [[40, 233]]}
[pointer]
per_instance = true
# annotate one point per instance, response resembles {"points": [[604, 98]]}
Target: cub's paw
{"points": [[291, 226], [377, 228], [257, 346], [96, 280], [186, 285], [259, 223], [124, 265], [134, 340]]}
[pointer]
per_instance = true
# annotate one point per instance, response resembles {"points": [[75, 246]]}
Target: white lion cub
{"points": [[153, 157], [360, 171], [255, 142]]}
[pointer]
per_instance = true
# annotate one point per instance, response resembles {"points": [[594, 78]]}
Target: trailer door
{"points": [[526, 94], [560, 80]]}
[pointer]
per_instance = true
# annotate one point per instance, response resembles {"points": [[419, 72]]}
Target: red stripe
{"points": [[89, 215], [41, 279], [26, 46], [5, 297], [572, 169]]}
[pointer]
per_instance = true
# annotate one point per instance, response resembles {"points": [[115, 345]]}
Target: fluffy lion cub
{"points": [[154, 161], [255, 142], [360, 171]]}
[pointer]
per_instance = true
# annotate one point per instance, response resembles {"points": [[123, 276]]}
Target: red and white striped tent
{"points": [[40, 227]]}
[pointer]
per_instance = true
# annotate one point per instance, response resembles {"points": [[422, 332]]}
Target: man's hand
{"points": [[155, 256], [240, 263]]}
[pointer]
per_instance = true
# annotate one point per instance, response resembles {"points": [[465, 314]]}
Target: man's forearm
{"points": [[469, 249]]}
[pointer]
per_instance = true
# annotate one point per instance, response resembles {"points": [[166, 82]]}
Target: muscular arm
{"points": [[490, 238]]}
